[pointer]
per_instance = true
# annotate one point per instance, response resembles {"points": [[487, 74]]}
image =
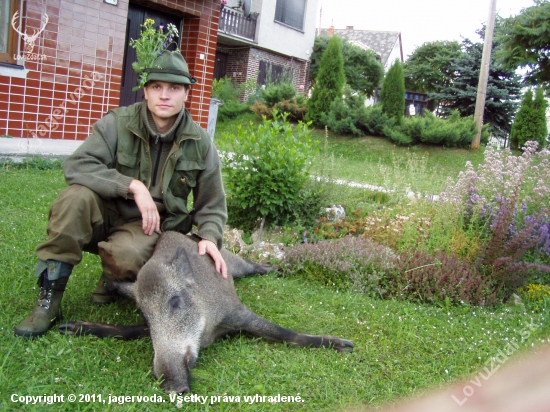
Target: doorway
{"points": [[220, 67]]}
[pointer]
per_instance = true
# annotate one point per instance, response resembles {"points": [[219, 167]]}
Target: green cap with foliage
{"points": [[170, 67]]}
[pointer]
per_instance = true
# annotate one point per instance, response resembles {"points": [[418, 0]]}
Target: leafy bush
{"points": [[225, 91], [231, 110], [280, 97], [296, 108], [277, 92], [269, 169]]}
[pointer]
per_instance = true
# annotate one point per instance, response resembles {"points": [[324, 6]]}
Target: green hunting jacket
{"points": [[118, 151]]}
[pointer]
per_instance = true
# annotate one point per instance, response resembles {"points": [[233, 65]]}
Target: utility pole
{"points": [[484, 74]]}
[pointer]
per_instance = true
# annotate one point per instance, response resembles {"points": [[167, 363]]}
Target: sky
{"points": [[419, 21]]}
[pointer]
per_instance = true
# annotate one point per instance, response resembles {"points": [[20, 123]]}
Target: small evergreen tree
{"points": [[530, 122], [362, 68], [542, 128], [329, 82], [393, 92]]}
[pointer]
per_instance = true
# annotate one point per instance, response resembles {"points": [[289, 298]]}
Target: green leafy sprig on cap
{"points": [[151, 44]]}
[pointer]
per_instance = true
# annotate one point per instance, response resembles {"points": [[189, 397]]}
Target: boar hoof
{"points": [[71, 328], [343, 345]]}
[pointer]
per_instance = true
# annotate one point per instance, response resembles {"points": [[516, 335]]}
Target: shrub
{"points": [[231, 110], [329, 82], [349, 263], [361, 265], [498, 176], [277, 92], [397, 136], [455, 131], [228, 94], [535, 296], [347, 116], [351, 116], [431, 278], [393, 92], [506, 201], [295, 108], [530, 121], [269, 169], [376, 120], [280, 97]]}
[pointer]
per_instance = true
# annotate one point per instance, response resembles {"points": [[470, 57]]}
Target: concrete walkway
{"points": [[18, 149]]}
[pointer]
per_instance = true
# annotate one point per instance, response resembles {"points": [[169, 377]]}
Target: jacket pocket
{"points": [[184, 178], [128, 165]]}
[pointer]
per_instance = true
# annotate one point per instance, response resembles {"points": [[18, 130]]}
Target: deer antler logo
{"points": [[29, 40]]}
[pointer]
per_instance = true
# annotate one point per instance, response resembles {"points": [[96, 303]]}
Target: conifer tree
{"points": [[530, 122], [525, 42], [329, 82], [363, 70], [393, 92], [503, 89]]}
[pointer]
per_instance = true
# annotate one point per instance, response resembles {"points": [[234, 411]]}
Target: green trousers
{"points": [[80, 220]]}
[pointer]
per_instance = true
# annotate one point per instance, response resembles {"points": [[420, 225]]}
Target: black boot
{"points": [[47, 310]]}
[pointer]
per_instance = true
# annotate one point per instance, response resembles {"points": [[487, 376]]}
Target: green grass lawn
{"points": [[401, 348], [375, 160]]}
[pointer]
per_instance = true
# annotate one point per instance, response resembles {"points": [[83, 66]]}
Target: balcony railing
{"points": [[234, 22]]}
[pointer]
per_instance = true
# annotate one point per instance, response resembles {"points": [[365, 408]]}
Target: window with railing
{"points": [[291, 13]]}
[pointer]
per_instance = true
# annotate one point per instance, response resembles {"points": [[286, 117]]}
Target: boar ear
{"points": [[126, 288]]}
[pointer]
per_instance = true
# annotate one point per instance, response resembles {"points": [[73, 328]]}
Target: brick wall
{"points": [[79, 80], [245, 63]]}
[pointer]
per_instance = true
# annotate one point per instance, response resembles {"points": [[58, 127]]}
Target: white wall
{"points": [[395, 54], [283, 39]]}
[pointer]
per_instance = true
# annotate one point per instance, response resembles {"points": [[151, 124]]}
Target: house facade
{"points": [[65, 63], [263, 39], [386, 44]]}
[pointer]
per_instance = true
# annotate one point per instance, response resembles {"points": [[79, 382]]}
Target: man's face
{"points": [[165, 100]]}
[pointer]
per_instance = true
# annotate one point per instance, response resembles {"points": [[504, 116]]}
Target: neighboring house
{"points": [[386, 44], [65, 63], [388, 47], [266, 36]]}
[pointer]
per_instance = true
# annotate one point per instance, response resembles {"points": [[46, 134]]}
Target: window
{"points": [[269, 73], [291, 13], [8, 36]]}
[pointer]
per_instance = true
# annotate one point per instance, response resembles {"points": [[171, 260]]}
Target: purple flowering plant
{"points": [[488, 235], [507, 199]]}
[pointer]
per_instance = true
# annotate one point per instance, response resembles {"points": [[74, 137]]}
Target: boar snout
{"points": [[175, 369]]}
